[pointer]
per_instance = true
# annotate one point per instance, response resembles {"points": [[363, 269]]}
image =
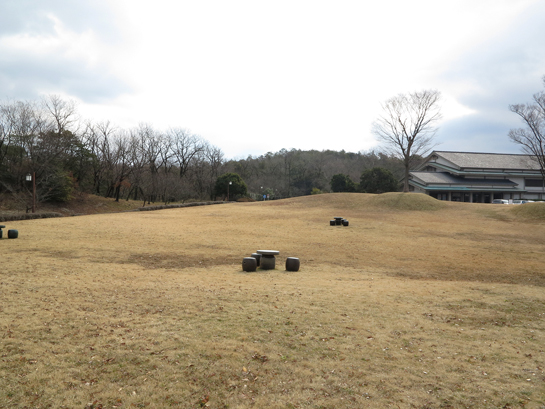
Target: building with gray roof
{"points": [[478, 177]]}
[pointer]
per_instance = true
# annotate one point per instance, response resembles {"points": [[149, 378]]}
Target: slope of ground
{"points": [[11, 205], [530, 211]]}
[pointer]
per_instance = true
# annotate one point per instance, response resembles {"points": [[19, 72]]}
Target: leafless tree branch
{"points": [[408, 125]]}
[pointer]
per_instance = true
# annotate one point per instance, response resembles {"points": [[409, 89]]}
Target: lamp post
{"points": [[32, 177], [229, 184]]}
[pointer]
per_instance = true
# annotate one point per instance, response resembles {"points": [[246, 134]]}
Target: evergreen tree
{"points": [[378, 180], [230, 186], [342, 183]]}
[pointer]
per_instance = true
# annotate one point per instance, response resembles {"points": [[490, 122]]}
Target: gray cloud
{"points": [[31, 16], [24, 74], [475, 133], [28, 77]]}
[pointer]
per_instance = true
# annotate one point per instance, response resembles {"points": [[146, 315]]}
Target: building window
{"points": [[533, 182]]}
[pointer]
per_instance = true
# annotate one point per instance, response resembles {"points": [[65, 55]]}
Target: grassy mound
{"points": [[407, 201], [534, 211], [396, 201]]}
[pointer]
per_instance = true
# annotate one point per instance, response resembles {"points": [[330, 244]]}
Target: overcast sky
{"points": [[254, 76]]}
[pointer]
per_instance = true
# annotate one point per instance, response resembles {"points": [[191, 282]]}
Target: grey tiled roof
{"points": [[440, 178], [489, 160]]}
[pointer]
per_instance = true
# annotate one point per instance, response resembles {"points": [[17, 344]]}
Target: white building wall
{"points": [[533, 193], [418, 190], [519, 181]]}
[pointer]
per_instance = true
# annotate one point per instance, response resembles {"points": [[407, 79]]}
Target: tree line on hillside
{"points": [[47, 140], [288, 173]]}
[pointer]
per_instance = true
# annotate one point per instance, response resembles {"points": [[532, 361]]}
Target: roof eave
{"points": [[504, 172], [468, 188]]}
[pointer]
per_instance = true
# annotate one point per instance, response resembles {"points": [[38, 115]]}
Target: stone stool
{"points": [[249, 264], [268, 261], [13, 234], [345, 222], [292, 264], [257, 258]]}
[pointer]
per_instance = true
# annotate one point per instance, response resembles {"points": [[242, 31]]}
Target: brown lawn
{"points": [[415, 304]]}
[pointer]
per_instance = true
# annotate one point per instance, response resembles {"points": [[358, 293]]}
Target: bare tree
{"points": [[123, 146], [156, 149], [97, 138], [186, 146], [408, 125], [532, 137], [63, 112], [205, 170]]}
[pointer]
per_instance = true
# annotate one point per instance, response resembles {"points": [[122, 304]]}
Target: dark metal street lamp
{"points": [[32, 178]]}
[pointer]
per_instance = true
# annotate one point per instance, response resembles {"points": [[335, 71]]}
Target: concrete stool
{"points": [[332, 222], [345, 222], [257, 258], [268, 261], [13, 234], [249, 264], [292, 264]]}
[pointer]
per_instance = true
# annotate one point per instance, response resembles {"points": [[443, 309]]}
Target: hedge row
{"points": [[29, 216], [173, 206]]}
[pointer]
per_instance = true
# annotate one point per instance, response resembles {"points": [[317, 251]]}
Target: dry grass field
{"points": [[416, 304]]}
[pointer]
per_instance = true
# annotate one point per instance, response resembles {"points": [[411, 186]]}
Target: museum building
{"points": [[478, 177]]}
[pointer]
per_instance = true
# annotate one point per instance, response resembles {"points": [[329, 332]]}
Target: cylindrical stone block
{"points": [[267, 262], [332, 222], [292, 264], [345, 222], [257, 257], [13, 234], [249, 264]]}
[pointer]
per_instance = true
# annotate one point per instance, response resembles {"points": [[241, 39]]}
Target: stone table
{"points": [[268, 261]]}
